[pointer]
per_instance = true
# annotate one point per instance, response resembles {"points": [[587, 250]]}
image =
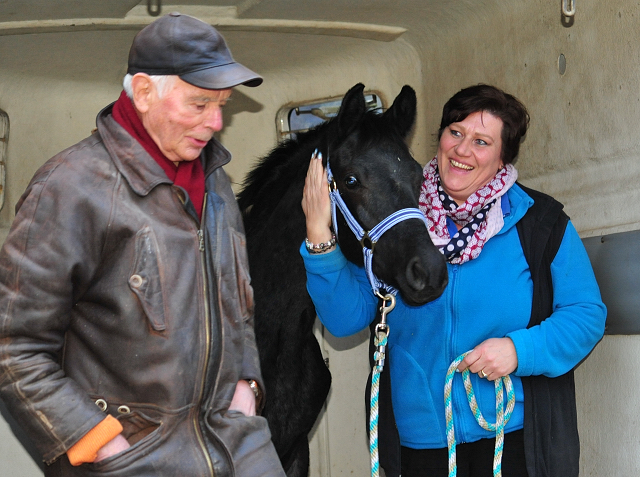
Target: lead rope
{"points": [[380, 341], [502, 416]]}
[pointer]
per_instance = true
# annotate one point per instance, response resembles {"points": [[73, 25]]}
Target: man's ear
{"points": [[143, 91]]}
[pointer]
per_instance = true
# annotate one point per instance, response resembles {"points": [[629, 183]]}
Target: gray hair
{"points": [[163, 83]]}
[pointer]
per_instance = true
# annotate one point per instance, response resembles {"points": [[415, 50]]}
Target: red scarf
{"points": [[187, 174]]}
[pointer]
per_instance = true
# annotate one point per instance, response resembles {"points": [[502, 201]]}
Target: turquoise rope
{"points": [[502, 415], [373, 418], [381, 334]]}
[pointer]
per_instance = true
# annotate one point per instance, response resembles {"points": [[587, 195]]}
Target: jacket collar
{"points": [[138, 168], [519, 203]]}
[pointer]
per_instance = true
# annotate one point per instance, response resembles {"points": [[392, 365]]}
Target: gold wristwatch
{"points": [[256, 390]]}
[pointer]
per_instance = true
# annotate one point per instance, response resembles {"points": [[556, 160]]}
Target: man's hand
{"points": [[244, 399], [113, 447]]}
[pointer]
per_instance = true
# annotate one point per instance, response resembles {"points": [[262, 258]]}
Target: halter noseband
{"points": [[368, 239]]}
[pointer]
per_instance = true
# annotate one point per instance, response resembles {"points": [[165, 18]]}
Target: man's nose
{"points": [[213, 119]]}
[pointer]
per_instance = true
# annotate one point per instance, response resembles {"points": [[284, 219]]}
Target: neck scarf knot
{"points": [[479, 217]]}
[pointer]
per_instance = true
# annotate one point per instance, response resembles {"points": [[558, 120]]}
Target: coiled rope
{"points": [[502, 415], [380, 341]]}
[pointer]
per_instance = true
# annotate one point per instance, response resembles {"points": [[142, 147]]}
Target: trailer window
{"points": [[302, 117]]}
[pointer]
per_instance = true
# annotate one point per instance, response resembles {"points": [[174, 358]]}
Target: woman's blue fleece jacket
{"points": [[488, 297]]}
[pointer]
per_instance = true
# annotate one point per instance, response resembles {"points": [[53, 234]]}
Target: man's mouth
{"points": [[200, 142]]}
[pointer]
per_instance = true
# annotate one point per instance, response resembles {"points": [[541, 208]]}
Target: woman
{"points": [[521, 295]]}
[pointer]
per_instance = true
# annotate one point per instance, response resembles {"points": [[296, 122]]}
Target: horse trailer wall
{"points": [[583, 148]]}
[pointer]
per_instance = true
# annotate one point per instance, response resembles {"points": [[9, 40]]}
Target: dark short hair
{"points": [[483, 97]]}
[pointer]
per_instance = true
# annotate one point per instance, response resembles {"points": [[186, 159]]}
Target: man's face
{"points": [[183, 120]]}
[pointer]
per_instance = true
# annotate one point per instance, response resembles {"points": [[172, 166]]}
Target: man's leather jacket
{"points": [[115, 298]]}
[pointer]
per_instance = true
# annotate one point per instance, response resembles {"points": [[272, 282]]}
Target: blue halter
{"points": [[369, 238]]}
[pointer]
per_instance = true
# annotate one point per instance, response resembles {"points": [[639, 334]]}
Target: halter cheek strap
{"points": [[368, 239]]}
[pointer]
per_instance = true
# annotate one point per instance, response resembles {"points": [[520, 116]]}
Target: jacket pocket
{"points": [[145, 279], [143, 434], [245, 292], [414, 406], [247, 439]]}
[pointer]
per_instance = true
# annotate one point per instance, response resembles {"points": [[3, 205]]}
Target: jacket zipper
{"points": [[456, 400], [217, 380], [205, 290]]}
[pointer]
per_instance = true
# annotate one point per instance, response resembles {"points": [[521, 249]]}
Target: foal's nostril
{"points": [[416, 274]]}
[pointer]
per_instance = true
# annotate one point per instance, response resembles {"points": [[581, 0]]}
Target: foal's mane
{"points": [[272, 178]]}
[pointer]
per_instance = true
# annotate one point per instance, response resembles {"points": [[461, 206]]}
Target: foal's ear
{"points": [[402, 113], [351, 110]]}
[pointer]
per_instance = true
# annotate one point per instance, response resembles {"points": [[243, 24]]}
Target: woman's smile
{"points": [[469, 154]]}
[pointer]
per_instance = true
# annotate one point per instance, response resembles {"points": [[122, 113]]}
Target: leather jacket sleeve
{"points": [[48, 257]]}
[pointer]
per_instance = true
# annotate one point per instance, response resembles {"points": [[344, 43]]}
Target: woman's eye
{"points": [[455, 133], [351, 182], [481, 142]]}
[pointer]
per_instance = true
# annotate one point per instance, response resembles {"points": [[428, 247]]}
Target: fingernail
{"points": [[320, 155]]}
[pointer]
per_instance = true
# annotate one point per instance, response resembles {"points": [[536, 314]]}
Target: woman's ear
{"points": [[143, 90]]}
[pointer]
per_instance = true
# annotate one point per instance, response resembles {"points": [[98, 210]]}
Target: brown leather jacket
{"points": [[113, 292]]}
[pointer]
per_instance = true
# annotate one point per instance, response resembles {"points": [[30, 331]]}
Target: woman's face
{"points": [[469, 154]]}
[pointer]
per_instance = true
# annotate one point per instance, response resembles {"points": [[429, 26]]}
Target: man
{"points": [[126, 326]]}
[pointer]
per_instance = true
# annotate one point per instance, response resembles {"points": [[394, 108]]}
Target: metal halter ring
{"points": [[367, 242]]}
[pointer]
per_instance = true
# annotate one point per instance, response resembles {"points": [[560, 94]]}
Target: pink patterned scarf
{"points": [[480, 216]]}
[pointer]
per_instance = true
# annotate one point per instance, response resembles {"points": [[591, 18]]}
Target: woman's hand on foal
{"points": [[316, 203]]}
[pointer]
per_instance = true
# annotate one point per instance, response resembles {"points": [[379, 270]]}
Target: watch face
{"points": [[254, 387]]}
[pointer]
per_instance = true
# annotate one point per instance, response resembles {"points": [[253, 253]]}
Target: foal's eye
{"points": [[351, 182]]}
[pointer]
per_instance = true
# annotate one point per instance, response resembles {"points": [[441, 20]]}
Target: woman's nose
{"points": [[463, 147]]}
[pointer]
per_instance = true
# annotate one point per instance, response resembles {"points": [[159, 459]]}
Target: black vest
{"points": [[552, 448]]}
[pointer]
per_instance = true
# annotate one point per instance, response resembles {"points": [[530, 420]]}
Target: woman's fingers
{"points": [[316, 203]]}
